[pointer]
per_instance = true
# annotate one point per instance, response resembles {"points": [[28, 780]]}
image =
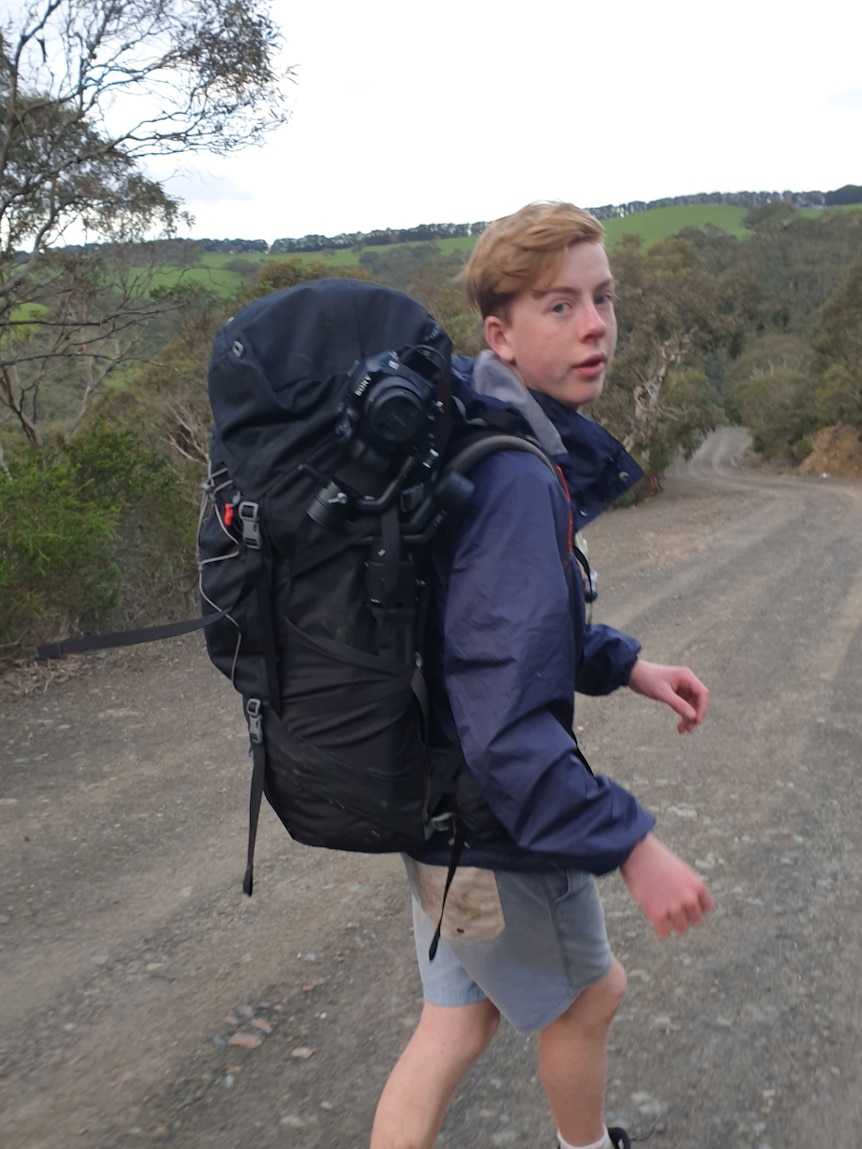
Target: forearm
{"points": [[671, 894]]}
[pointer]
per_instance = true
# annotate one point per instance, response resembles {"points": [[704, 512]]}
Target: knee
{"points": [[617, 984], [464, 1031], [476, 1036], [597, 1005], [487, 1028], [604, 998]]}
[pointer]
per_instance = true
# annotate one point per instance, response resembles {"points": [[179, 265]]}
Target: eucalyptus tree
{"points": [[91, 92], [658, 398]]}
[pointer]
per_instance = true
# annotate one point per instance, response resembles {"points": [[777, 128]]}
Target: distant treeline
{"points": [[849, 194]]}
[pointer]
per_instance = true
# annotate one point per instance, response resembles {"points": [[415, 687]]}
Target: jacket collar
{"points": [[597, 467], [493, 378]]}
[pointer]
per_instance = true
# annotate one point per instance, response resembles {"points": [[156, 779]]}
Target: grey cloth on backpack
{"points": [[493, 378]]}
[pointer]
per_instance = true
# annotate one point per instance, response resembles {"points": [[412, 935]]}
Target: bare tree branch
{"points": [[89, 89]]}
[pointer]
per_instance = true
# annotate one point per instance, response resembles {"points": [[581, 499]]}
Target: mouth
{"points": [[593, 365]]}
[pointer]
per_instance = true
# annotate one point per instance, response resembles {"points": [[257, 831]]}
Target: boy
{"points": [[523, 934]]}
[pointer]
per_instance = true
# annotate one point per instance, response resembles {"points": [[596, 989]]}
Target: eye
{"points": [[561, 307], [604, 298]]}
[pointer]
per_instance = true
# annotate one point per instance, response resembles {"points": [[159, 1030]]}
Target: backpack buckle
{"points": [[249, 517], [254, 718]]}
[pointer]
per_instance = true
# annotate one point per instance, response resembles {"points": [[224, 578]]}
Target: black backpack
{"points": [[337, 450]]}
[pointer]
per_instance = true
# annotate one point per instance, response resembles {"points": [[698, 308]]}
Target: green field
{"points": [[662, 222], [214, 269]]}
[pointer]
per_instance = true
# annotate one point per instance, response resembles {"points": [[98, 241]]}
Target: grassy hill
{"points": [[225, 273]]}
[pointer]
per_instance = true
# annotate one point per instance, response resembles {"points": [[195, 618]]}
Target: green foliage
{"points": [[181, 77], [770, 216], [57, 571], [798, 265], [838, 343], [770, 390], [780, 413], [838, 394], [282, 274], [691, 408], [658, 397], [849, 194], [83, 533]]}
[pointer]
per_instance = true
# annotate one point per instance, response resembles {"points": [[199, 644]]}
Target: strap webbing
{"points": [[124, 637], [258, 774], [267, 637], [151, 633], [458, 843]]}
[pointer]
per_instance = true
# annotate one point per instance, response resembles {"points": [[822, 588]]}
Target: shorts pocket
{"points": [[562, 884], [474, 912]]}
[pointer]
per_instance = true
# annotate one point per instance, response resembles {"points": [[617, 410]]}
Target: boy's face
{"points": [[559, 337]]}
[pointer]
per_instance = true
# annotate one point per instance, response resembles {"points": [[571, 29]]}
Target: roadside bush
{"points": [[780, 413], [57, 572], [92, 538]]}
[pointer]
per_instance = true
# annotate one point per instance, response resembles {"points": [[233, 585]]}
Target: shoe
{"points": [[620, 1139]]}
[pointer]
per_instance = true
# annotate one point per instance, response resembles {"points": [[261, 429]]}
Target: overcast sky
{"points": [[462, 110]]}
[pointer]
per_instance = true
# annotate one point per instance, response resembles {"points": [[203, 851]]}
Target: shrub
{"points": [[96, 537]]}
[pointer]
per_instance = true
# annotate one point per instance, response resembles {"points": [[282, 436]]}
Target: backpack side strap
{"points": [[123, 637]]}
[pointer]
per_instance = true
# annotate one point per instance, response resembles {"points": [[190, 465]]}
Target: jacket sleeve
{"points": [[606, 659], [510, 658]]}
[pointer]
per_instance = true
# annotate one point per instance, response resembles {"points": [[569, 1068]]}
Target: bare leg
{"points": [[573, 1058], [446, 1043]]}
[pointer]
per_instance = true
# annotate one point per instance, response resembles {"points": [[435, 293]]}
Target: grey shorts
{"points": [[528, 942]]}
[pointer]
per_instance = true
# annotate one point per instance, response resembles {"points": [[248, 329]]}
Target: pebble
{"points": [[648, 1106], [246, 1040]]}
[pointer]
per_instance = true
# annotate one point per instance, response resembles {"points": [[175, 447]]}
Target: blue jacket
{"points": [[508, 645]]}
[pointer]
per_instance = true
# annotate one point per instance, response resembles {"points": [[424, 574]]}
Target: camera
{"points": [[389, 402], [393, 420]]}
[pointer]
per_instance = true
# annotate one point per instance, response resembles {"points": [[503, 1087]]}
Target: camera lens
{"points": [[395, 411]]}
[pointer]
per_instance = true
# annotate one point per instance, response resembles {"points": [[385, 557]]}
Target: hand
{"points": [[671, 895], [677, 686]]}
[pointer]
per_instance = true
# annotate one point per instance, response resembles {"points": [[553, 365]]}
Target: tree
{"points": [[769, 390], [658, 399], [91, 90], [839, 347], [850, 193]]}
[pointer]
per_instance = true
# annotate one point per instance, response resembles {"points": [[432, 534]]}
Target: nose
{"points": [[593, 324]]}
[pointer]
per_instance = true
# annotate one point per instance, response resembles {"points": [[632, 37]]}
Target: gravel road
{"points": [[145, 1002]]}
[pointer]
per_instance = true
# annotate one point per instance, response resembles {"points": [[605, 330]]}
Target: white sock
{"points": [[604, 1142]]}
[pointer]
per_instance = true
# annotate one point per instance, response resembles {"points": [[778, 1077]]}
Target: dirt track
{"points": [[131, 964]]}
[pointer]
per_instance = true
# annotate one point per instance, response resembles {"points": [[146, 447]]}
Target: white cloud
{"points": [[851, 99], [453, 112]]}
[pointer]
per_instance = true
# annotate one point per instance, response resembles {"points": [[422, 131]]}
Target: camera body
{"points": [[391, 402], [394, 425]]}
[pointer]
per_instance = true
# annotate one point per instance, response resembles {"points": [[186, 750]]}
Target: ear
{"points": [[497, 339]]}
